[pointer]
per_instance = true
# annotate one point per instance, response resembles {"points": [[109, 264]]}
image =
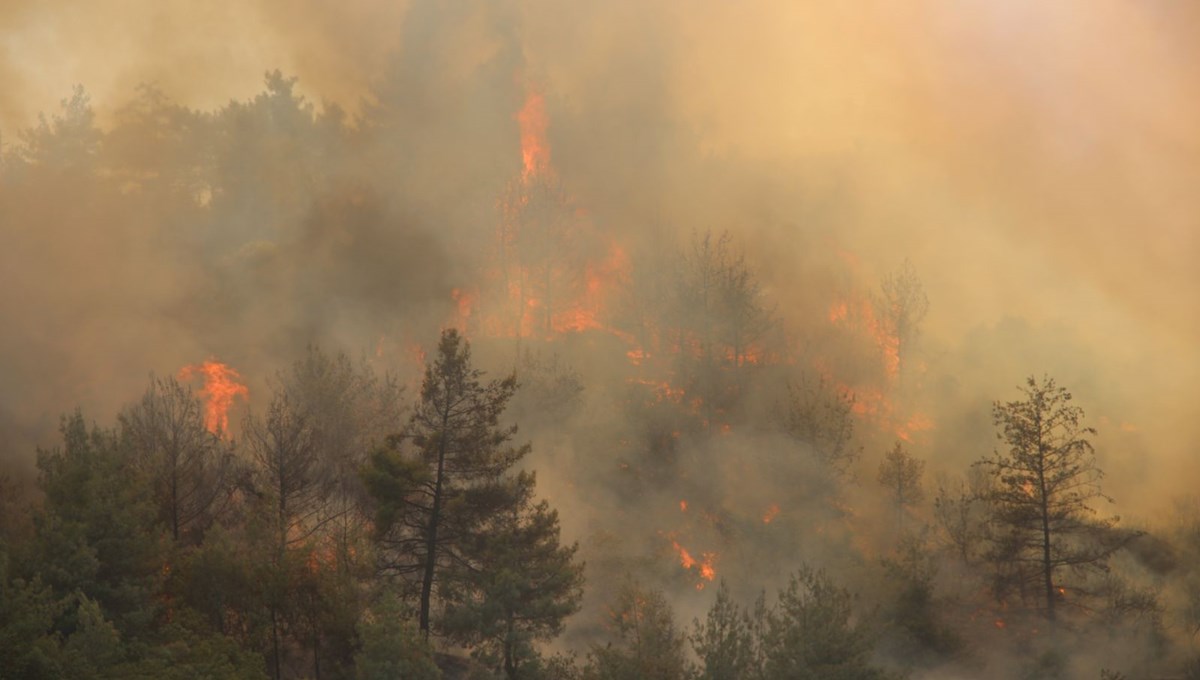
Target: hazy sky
{"points": [[1037, 161]]}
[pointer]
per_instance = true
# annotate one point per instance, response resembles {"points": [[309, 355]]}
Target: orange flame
{"points": [[861, 315], [221, 386], [771, 513], [683, 506], [535, 150], [464, 304], [706, 570], [685, 558]]}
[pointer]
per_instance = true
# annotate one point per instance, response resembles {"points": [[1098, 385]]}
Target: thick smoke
{"points": [[1036, 163]]}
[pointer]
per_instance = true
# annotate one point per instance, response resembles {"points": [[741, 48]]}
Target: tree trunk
{"points": [[434, 519]]}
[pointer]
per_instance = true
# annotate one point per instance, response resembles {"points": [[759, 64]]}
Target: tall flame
{"points": [[535, 150], [221, 386]]}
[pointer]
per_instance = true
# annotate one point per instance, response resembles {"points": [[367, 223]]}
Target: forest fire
{"points": [[535, 151], [860, 316], [221, 387], [546, 279], [704, 567], [671, 302]]}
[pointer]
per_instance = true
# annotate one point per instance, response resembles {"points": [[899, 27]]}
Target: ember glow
{"points": [[771, 513], [221, 386]]}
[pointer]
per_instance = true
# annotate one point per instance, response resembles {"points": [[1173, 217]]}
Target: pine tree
{"points": [[812, 633], [525, 585], [1045, 483], [648, 645], [900, 473], [726, 642], [188, 467], [442, 477]]}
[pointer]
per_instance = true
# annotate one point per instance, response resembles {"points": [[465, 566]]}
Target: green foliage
{"points": [[914, 614], [94, 648], [95, 530], [526, 583], [646, 644], [433, 498], [29, 650], [812, 633], [392, 648], [726, 643]]}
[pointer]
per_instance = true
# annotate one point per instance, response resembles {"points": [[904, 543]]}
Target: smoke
{"points": [[1035, 162]]}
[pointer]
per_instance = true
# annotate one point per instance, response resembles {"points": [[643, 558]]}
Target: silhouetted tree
{"points": [[727, 641], [1045, 482], [524, 585], [433, 494], [647, 644], [189, 469], [901, 307], [821, 417], [812, 633], [900, 473], [392, 649]]}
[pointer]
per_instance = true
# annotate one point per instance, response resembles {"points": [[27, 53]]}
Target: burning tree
{"points": [[433, 498], [189, 468], [1043, 489], [900, 308]]}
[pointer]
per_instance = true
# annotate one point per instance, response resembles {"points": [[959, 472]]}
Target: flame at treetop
{"points": [[221, 386], [552, 272], [535, 150]]}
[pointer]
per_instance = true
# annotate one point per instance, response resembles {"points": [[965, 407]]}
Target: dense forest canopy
{"points": [[541, 340]]}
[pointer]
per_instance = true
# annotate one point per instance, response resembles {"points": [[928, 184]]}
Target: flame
{"points": [[464, 304], [707, 571], [704, 566], [683, 506], [860, 315], [527, 293], [663, 390], [999, 623], [771, 513], [221, 386], [685, 558], [416, 354], [535, 150], [919, 422]]}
